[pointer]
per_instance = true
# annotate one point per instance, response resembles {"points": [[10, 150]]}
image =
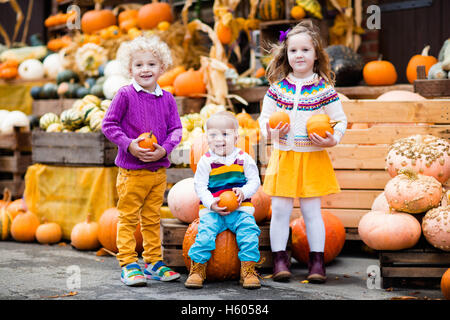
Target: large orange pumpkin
{"points": [[189, 83], [182, 200], [334, 238], [199, 147], [422, 59], [320, 124], [15, 207], [261, 201], [224, 263], [128, 15], [84, 235], [107, 231], [168, 77], [96, 20], [445, 284], [153, 13], [393, 230], [379, 73], [23, 227]]}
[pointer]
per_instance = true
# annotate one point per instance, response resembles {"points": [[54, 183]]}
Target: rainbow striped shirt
{"points": [[217, 174]]}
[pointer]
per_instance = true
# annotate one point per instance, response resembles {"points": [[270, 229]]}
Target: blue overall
{"points": [[241, 223]]}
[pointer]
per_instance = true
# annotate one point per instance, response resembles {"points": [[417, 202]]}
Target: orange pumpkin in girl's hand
{"points": [[149, 140], [228, 200], [320, 124], [278, 117]]}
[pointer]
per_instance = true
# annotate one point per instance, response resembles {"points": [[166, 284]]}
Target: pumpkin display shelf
{"points": [[435, 88], [420, 266], [15, 157], [360, 158]]}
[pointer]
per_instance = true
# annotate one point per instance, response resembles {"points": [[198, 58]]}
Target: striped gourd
{"points": [[104, 105], [90, 98], [92, 113], [87, 109], [271, 9], [72, 119], [96, 122], [78, 104], [55, 127], [5, 223], [47, 119], [84, 129]]}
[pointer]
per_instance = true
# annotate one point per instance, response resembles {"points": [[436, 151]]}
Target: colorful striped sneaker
{"points": [[132, 275], [159, 271]]}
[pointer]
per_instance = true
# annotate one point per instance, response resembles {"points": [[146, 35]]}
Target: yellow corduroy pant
{"points": [[141, 194]]}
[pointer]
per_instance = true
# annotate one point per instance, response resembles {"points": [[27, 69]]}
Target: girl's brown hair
{"points": [[279, 67]]}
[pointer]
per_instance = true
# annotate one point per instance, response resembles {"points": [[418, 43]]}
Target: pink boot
{"points": [[316, 267]]}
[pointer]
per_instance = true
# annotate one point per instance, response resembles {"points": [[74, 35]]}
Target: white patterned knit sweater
{"points": [[300, 99]]}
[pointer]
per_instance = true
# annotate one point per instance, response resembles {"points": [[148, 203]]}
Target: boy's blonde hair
{"points": [[152, 44], [220, 116], [279, 67]]}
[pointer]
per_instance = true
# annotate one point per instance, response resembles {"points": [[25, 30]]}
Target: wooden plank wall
{"points": [[359, 160]]}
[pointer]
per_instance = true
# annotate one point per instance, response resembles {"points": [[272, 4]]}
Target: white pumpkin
{"points": [[114, 67], [31, 69], [53, 65], [112, 84], [15, 119], [3, 114]]}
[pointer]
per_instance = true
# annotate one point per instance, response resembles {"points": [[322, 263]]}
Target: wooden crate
{"points": [[72, 148], [42, 106], [172, 236], [15, 157], [359, 160], [431, 88], [423, 265]]}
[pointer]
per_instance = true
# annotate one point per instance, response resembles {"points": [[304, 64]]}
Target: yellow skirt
{"points": [[300, 174]]}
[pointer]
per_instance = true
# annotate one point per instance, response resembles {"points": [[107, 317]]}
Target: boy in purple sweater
{"points": [[142, 107]]}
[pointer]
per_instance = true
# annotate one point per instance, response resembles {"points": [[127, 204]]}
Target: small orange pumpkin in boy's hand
{"points": [[149, 140], [229, 200], [278, 117]]}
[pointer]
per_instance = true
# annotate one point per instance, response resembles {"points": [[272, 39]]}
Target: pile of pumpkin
{"points": [[414, 201], [85, 115], [22, 225]]}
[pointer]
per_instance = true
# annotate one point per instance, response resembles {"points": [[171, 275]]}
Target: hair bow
{"points": [[283, 34]]}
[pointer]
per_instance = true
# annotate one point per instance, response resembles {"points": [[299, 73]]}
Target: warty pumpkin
{"points": [[334, 238], [224, 263], [413, 193], [426, 154], [436, 227]]}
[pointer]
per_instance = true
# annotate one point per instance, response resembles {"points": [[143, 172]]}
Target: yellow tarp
{"points": [[66, 195], [16, 96]]}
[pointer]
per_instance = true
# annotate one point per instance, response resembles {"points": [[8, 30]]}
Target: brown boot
{"points": [[316, 268], [281, 265], [196, 276], [249, 277]]}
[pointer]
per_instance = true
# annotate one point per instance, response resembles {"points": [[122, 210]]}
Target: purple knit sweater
{"points": [[132, 113]]}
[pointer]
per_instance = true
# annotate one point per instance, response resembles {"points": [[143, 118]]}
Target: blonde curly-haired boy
{"points": [[142, 107]]}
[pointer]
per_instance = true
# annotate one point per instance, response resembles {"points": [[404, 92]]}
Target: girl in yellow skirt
{"points": [[299, 166]]}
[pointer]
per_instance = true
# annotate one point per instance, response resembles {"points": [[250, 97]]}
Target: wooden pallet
{"points": [[73, 148], [15, 157], [42, 106], [359, 160], [420, 266], [172, 236]]}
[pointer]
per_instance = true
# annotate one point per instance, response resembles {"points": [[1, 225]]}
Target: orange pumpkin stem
{"points": [[7, 195]]}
